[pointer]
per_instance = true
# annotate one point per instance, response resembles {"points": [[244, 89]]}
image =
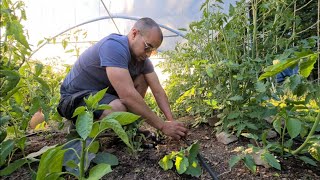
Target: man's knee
{"points": [[116, 105]]}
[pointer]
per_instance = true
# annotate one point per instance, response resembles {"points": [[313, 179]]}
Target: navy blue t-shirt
{"points": [[89, 71]]}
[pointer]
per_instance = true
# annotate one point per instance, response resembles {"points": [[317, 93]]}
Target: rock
{"points": [[226, 138], [271, 134], [269, 119], [257, 159]]}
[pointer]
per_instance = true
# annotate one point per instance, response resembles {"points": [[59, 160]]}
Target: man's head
{"points": [[144, 37]]}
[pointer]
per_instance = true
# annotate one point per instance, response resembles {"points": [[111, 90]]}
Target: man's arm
{"points": [[129, 96], [159, 94]]}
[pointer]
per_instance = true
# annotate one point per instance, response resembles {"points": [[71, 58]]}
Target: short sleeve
{"points": [[113, 54], [148, 67]]}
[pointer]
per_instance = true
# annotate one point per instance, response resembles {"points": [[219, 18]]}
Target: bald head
{"points": [[146, 24]]}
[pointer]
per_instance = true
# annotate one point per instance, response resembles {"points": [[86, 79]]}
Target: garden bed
{"points": [[145, 164]]}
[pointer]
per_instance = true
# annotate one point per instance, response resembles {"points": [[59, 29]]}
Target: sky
{"points": [[47, 18]]}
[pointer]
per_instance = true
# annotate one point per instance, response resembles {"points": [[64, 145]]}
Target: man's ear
{"points": [[134, 32]]}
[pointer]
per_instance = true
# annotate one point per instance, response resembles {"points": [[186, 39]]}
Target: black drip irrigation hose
{"points": [[203, 163]]}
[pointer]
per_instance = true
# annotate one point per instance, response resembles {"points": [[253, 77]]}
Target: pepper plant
{"points": [[88, 130], [184, 160]]}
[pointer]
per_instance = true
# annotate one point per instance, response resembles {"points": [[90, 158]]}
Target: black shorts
{"points": [[68, 104]]}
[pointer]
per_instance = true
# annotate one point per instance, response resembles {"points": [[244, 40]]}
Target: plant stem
{"points": [[82, 159], [313, 129]]}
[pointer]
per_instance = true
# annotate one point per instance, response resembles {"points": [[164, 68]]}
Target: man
{"points": [[121, 63]]}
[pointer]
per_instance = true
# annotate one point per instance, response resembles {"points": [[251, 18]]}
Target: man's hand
{"points": [[174, 129]]}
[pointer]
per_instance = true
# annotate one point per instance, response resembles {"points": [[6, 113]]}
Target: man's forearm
{"points": [[163, 103]]}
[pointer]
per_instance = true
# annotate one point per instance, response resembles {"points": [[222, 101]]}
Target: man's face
{"points": [[145, 44]]}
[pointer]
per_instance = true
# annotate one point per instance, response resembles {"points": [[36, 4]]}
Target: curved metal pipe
{"points": [[102, 18]]}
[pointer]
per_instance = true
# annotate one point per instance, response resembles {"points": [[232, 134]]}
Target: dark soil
{"points": [[145, 164]]}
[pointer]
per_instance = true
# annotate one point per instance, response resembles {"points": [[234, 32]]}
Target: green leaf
{"points": [[44, 85], [117, 128], [103, 107], [78, 111], [84, 124], [277, 125], [234, 160], [194, 168], [72, 164], [271, 160], [193, 150], [98, 171], [251, 136], [308, 160], [4, 120], [314, 150], [94, 147], [166, 163], [233, 115], [236, 98], [6, 148], [260, 87], [50, 162], [277, 68], [306, 66], [209, 72], [293, 127], [15, 29], [95, 130], [12, 78], [97, 97], [12, 167], [124, 118], [39, 68], [181, 164], [248, 161], [106, 158]]}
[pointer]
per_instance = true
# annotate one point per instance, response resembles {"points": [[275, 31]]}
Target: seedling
{"points": [[185, 161]]}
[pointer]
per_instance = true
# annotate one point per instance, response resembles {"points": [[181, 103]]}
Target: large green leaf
{"points": [[15, 29], [106, 158], [78, 111], [193, 150], [306, 66], [12, 78], [234, 160], [248, 161], [277, 125], [308, 160], [271, 160], [50, 162], [12, 167], [98, 171], [194, 168], [166, 163], [293, 127], [124, 118], [84, 124], [94, 147], [6, 148], [98, 96], [236, 98], [117, 128], [95, 129], [181, 164], [277, 68]]}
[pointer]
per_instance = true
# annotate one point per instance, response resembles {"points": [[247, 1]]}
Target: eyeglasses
{"points": [[147, 47]]}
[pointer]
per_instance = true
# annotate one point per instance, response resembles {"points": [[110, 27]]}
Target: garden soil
{"points": [[144, 165]]}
